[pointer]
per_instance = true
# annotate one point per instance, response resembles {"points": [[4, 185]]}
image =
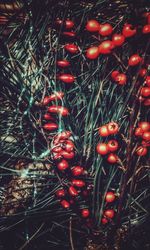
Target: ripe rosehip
{"points": [[134, 60], [141, 151], [110, 197], [59, 110], [57, 149], [112, 158], [104, 221], [69, 34], [78, 183], [109, 213], [106, 47], [69, 24], [85, 213], [63, 63], [138, 132], [60, 193], [62, 165], [72, 48], [62, 136], [118, 39], [48, 117], [145, 91], [92, 25], [103, 131], [146, 29], [142, 72], [65, 204], [73, 191], [146, 136], [66, 78], [145, 126], [77, 170], [112, 145], [114, 74], [105, 29], [102, 148], [113, 128], [128, 30], [121, 79], [68, 155], [56, 96], [50, 126], [147, 81], [69, 146], [92, 52]]}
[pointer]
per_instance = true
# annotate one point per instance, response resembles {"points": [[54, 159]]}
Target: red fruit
{"points": [[146, 136], [67, 78], [77, 170], [59, 110], [92, 52], [113, 128], [92, 26], [110, 197], [146, 143], [106, 47], [134, 60], [145, 91], [72, 48], [69, 24], [63, 63], [138, 132], [50, 126], [147, 102], [62, 136], [147, 81], [145, 126], [114, 74], [102, 148], [103, 131], [70, 34], [48, 117], [57, 156], [57, 149], [112, 145], [141, 151], [118, 39], [128, 30], [85, 213], [65, 204], [56, 96], [112, 158], [73, 191], [105, 29], [62, 165], [109, 213], [142, 72], [59, 22], [146, 29], [121, 79], [68, 155], [104, 221], [60, 193], [69, 145], [78, 183]]}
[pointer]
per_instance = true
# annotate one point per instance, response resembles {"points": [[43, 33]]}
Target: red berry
{"points": [[77, 170], [146, 29], [106, 47], [121, 79], [112, 145], [142, 72], [73, 191], [112, 158], [56, 96], [68, 155], [78, 183], [48, 117], [50, 126], [63, 63], [62, 165], [57, 149], [146, 136], [105, 29], [65, 204], [102, 148], [145, 91], [145, 126], [92, 25], [147, 81], [113, 128], [118, 39], [109, 213], [69, 24], [69, 146], [114, 74], [62, 136], [147, 102], [103, 131], [92, 52], [128, 30], [141, 151], [67, 78], [104, 221], [59, 110], [60, 193], [72, 48], [134, 60], [110, 197], [85, 213], [138, 132], [70, 34]]}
